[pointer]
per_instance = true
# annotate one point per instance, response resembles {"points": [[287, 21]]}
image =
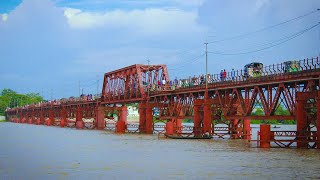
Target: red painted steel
{"points": [[231, 101], [121, 124], [149, 119], [169, 128], [142, 117], [265, 135], [318, 120]]}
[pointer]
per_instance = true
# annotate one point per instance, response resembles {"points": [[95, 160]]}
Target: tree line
{"points": [[279, 111], [10, 98]]}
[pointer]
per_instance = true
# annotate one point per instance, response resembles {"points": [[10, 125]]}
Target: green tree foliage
{"points": [[10, 98], [280, 111]]}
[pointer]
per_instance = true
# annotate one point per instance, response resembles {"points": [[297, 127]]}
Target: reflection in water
{"points": [[38, 152]]}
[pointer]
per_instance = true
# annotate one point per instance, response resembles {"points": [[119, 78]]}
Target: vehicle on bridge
{"points": [[253, 69], [291, 66]]}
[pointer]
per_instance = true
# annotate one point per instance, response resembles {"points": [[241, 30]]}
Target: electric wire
{"points": [[272, 44], [194, 59], [264, 29]]}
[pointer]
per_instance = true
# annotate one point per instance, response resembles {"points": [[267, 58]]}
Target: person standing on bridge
{"points": [[233, 74], [221, 75], [163, 83], [224, 75], [176, 81], [159, 84]]}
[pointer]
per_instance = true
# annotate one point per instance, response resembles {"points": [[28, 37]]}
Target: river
{"points": [[41, 152]]}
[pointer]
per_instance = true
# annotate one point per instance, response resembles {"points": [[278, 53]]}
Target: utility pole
{"points": [[206, 64], [319, 33], [51, 94], [79, 87], [97, 87], [319, 36], [42, 93]]}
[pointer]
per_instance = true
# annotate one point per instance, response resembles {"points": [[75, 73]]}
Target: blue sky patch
{"points": [[8, 5]]}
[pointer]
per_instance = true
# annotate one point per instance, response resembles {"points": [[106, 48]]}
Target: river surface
{"points": [[41, 152]]}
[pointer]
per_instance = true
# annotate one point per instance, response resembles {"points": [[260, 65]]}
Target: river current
{"points": [[41, 152]]}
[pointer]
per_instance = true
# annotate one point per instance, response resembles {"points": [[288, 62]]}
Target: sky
{"points": [[53, 47]]}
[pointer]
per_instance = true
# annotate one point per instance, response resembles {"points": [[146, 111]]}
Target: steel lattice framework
{"points": [[232, 100]]}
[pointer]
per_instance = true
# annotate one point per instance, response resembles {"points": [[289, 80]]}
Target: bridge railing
{"points": [[274, 70], [56, 102]]}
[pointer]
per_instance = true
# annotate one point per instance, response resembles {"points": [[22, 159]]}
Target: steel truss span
{"points": [[231, 99]]}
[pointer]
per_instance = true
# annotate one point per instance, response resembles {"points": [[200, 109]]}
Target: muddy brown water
{"points": [[40, 152]]}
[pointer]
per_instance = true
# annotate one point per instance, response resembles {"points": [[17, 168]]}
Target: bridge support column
{"points": [[301, 119], [145, 118], [142, 117], [41, 118], [30, 119], [37, 120], [265, 135], [234, 128], [20, 118], [196, 120], [178, 125], [169, 128], [207, 123], [100, 123], [121, 125], [79, 121], [63, 115], [27, 120], [24, 118], [33, 117], [149, 119], [318, 121], [246, 129], [51, 118]]}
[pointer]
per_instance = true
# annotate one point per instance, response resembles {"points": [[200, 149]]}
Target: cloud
{"points": [[260, 4], [4, 17], [56, 45], [95, 5], [53, 45], [150, 21]]}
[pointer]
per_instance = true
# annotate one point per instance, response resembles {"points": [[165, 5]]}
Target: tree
{"points": [[283, 112], [7, 92], [10, 98]]}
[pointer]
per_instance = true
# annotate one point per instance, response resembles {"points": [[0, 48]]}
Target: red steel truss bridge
{"points": [[231, 101]]}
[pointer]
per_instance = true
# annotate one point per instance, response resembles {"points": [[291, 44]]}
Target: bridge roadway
{"points": [[232, 100]]}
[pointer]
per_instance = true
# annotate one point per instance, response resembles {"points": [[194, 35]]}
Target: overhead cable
{"points": [[264, 29], [272, 44]]}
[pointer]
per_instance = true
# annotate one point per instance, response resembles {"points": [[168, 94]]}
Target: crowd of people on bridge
{"points": [[82, 98], [88, 97], [191, 81]]}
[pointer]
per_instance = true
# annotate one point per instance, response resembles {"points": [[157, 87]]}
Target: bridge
{"points": [[208, 100]]}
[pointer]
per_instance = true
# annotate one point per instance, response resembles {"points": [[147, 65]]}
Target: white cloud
{"points": [[260, 4], [150, 21], [4, 17]]}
